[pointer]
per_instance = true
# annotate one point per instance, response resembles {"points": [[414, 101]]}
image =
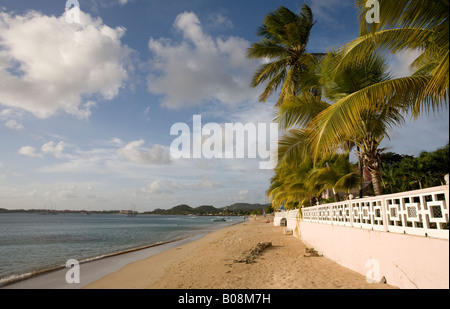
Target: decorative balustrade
{"points": [[421, 212]]}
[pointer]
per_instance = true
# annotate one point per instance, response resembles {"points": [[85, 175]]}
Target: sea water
{"points": [[31, 242]]}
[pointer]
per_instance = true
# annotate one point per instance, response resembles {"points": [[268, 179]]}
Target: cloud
{"points": [[205, 183], [157, 187], [200, 69], [401, 61], [13, 125], [218, 21], [10, 117], [48, 65], [29, 151], [55, 150], [84, 162], [49, 148], [67, 194], [242, 194], [325, 10], [134, 153], [153, 188]]}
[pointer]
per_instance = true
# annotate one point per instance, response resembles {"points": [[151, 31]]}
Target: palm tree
{"points": [[372, 126], [302, 182], [285, 37], [409, 25], [305, 112], [337, 173], [373, 130], [289, 184], [405, 25]]}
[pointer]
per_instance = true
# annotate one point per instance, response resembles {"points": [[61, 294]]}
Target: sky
{"points": [[87, 106]]}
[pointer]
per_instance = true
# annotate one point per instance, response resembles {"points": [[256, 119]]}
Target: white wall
{"points": [[405, 261]]}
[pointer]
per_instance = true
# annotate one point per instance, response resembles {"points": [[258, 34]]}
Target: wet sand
{"points": [[210, 263]]}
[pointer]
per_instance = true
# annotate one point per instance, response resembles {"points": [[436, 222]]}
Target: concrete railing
{"points": [[422, 213]]}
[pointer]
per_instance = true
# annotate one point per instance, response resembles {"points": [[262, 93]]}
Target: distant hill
{"points": [[206, 209], [177, 210], [237, 209], [245, 206]]}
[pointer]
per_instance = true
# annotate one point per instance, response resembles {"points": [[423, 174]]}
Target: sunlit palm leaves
{"points": [[306, 110], [405, 25], [285, 37], [303, 182], [336, 172]]}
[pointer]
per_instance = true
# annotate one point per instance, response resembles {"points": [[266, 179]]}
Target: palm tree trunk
{"points": [[361, 173], [376, 183], [336, 196]]}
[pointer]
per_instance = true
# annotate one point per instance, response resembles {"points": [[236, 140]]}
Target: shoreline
{"points": [[212, 262], [41, 272], [99, 266]]}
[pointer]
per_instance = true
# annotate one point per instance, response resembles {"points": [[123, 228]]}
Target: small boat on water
{"points": [[47, 212], [219, 220], [132, 212]]}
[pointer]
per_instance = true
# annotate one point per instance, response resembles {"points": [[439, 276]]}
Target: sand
{"points": [[210, 263]]}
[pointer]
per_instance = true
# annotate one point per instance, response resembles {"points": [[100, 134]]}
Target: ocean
{"points": [[30, 242]]}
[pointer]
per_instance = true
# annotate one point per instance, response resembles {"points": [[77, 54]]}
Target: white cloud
{"points": [[85, 162], [134, 153], [400, 63], [29, 151], [206, 183], [49, 148], [67, 194], [157, 187], [12, 118], [123, 2], [219, 21], [13, 125], [153, 188], [200, 69], [328, 10], [242, 194], [116, 140], [48, 65]]}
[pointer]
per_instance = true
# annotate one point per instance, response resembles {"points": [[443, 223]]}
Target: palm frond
{"points": [[384, 42], [266, 49], [336, 124], [404, 14], [293, 146], [298, 111]]}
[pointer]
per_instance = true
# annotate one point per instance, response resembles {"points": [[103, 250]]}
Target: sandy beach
{"points": [[211, 263]]}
